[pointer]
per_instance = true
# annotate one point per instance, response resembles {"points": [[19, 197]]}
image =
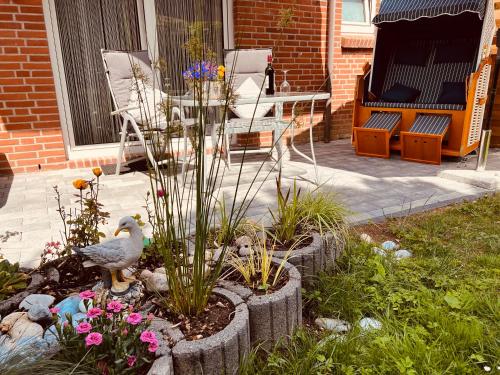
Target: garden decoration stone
{"points": [[36, 299], [77, 318], [83, 308], [155, 281], [53, 275], [366, 238], [309, 260], [334, 325], [402, 254], [389, 245], [379, 251], [220, 353], [131, 296], [69, 305], [244, 245], [117, 254], [273, 316], [39, 313], [368, 324]]}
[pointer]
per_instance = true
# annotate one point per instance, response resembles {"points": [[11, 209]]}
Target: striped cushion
{"points": [[431, 124], [383, 120], [447, 107]]}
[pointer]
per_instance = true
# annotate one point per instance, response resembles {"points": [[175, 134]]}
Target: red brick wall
{"points": [[30, 131], [303, 49]]}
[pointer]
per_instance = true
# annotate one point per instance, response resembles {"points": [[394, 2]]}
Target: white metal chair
{"points": [[245, 71], [136, 100]]}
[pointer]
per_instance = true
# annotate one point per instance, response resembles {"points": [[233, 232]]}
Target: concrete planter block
{"points": [[220, 353], [309, 260], [333, 249], [276, 315]]}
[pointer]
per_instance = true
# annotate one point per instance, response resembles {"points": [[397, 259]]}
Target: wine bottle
{"points": [[270, 76]]}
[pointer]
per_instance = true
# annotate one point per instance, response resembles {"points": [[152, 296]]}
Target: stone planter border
{"points": [[220, 353], [273, 316], [309, 260], [333, 250]]}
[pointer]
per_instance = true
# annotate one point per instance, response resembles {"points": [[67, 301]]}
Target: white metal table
{"points": [[278, 99]]}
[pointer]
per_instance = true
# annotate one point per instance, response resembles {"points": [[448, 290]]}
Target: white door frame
{"points": [[147, 25]]}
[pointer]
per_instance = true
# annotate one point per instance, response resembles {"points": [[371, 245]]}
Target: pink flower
{"points": [[93, 338], [150, 317], [131, 359], [94, 312], [114, 306], [125, 332], [148, 336], [153, 347], [109, 315], [54, 310], [160, 193], [134, 319], [65, 324], [87, 294], [83, 327]]}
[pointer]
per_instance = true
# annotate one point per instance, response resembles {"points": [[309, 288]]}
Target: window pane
{"points": [[353, 11]]}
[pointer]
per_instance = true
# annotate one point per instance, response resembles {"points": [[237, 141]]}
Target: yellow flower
{"points": [[220, 72], [97, 171], [80, 184]]}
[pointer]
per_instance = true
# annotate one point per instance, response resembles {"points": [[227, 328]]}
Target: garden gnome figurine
{"points": [[117, 254]]}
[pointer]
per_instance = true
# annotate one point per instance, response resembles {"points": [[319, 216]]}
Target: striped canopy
{"points": [[411, 10]]}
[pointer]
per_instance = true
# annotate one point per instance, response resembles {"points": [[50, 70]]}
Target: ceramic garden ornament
{"points": [[117, 254]]}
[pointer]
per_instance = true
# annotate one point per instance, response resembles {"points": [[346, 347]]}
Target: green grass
{"points": [[440, 309]]}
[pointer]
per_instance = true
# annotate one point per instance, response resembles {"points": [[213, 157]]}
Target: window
{"points": [[357, 16]]}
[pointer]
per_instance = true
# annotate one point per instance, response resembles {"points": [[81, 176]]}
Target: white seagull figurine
{"points": [[116, 254]]}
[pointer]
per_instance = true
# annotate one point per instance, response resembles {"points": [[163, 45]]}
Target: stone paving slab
{"points": [[371, 188]]}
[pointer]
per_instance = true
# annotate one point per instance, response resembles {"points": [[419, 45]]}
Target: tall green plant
{"points": [[182, 208]]}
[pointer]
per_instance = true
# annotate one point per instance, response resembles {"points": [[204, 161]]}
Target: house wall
{"points": [[30, 131], [302, 47]]}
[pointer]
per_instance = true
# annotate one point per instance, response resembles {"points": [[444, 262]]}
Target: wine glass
{"points": [[285, 87]]}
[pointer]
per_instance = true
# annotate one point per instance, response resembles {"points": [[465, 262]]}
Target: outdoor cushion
{"points": [[400, 94], [452, 93], [431, 124], [412, 55], [119, 66], [383, 120], [148, 100], [245, 69], [454, 53]]}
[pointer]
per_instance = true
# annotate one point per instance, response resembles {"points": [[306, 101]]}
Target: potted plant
{"points": [[271, 288], [292, 237], [321, 212]]}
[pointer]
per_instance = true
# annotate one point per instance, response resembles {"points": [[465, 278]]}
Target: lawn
{"points": [[439, 309]]}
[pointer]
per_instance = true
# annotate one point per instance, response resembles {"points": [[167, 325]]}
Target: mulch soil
{"points": [[283, 279], [216, 316]]}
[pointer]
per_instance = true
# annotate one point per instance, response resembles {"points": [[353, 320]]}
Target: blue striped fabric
{"points": [[411, 10], [446, 107], [383, 120], [431, 124]]}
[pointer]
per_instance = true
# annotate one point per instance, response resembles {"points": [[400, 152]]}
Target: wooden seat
{"points": [[372, 139], [422, 143]]}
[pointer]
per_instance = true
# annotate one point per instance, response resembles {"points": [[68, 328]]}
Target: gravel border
{"points": [[220, 353], [309, 260], [273, 316]]}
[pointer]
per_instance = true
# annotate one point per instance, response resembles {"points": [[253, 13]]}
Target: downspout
{"points": [[332, 5]]}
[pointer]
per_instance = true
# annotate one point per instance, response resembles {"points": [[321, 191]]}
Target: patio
{"points": [[371, 188]]}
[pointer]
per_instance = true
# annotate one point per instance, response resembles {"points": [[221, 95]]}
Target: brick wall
{"points": [[30, 131], [303, 49]]}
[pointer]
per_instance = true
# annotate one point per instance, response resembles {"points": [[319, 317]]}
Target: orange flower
{"points": [[80, 184], [97, 171]]}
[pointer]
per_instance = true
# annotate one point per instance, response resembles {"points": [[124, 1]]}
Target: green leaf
{"points": [[453, 301]]}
